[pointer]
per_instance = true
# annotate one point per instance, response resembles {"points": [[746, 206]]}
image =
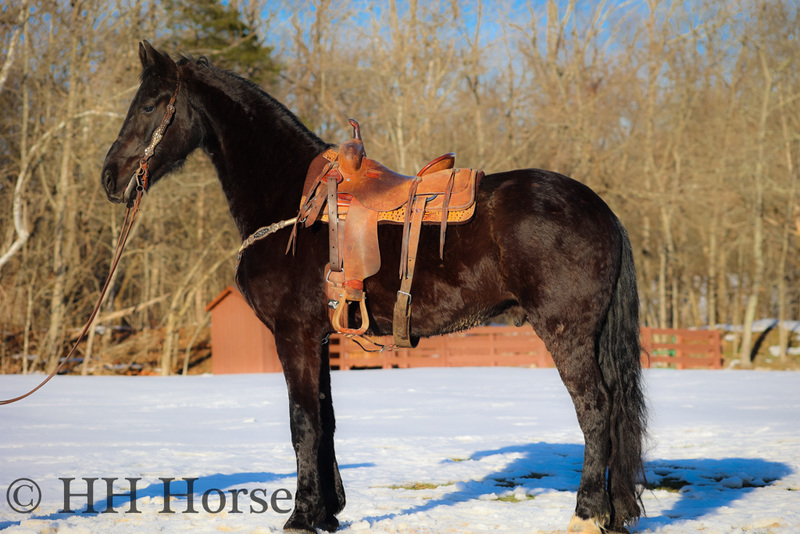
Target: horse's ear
{"points": [[153, 59]]}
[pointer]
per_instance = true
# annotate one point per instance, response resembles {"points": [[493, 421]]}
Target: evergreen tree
{"points": [[216, 30]]}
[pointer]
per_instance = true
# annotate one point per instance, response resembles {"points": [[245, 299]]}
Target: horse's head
{"points": [[159, 83]]}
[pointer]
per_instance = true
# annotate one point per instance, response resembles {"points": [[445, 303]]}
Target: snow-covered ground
{"points": [[424, 450]]}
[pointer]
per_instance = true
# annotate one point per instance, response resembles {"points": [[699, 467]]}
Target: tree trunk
{"points": [[18, 207], [783, 330], [64, 230], [758, 221]]}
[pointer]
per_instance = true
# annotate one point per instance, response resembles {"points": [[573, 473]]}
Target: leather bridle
{"points": [[139, 183], [140, 179]]}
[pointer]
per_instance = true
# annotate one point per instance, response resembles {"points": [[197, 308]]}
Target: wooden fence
{"points": [[682, 349], [489, 346]]}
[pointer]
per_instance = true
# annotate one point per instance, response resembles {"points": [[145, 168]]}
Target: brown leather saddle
{"points": [[360, 193]]}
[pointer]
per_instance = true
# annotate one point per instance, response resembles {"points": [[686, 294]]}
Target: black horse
{"points": [[541, 246]]}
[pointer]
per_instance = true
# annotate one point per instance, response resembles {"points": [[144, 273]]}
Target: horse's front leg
{"points": [[319, 494], [330, 481]]}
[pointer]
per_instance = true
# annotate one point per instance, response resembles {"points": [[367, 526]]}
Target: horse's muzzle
{"points": [[113, 193]]}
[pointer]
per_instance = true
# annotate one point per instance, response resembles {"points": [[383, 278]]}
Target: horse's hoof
{"points": [[293, 527], [329, 524], [583, 526]]}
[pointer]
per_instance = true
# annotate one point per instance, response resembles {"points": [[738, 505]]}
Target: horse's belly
{"points": [[461, 290]]}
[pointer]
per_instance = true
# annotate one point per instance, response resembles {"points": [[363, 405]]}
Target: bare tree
{"points": [[20, 222], [682, 115]]}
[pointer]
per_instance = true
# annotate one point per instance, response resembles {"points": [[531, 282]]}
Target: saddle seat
{"points": [[360, 193]]}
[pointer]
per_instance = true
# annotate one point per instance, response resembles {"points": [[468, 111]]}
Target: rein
{"points": [[139, 182], [261, 233]]}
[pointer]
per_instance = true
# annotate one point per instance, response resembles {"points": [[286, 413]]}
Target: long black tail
{"points": [[620, 360]]}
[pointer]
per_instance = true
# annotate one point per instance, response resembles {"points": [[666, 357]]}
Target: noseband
{"points": [[139, 183]]}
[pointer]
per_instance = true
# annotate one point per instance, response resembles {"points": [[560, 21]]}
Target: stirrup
{"points": [[349, 295]]}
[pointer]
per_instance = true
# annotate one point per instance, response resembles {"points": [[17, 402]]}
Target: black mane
{"points": [[251, 94]]}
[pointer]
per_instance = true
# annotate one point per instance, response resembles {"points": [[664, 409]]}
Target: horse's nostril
{"points": [[108, 180]]}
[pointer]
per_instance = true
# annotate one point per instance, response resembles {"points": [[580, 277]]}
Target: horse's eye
{"points": [[149, 109]]}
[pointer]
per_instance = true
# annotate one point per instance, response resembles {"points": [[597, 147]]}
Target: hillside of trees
{"points": [[683, 115]]}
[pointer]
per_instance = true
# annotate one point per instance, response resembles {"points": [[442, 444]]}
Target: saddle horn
{"points": [[356, 129]]}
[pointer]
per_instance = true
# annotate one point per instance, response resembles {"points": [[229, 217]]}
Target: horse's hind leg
{"points": [[597, 355], [577, 365], [568, 262]]}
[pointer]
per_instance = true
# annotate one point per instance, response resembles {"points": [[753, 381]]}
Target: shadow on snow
{"points": [[702, 485]]}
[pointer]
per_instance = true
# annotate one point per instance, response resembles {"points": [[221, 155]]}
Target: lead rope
{"points": [[127, 224], [140, 178]]}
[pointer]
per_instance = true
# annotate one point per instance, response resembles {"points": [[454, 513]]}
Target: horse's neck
{"points": [[261, 158]]}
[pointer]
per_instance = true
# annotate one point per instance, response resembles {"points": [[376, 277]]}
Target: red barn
{"points": [[240, 343]]}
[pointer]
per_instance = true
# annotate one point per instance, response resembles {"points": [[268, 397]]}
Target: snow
{"points": [[420, 450]]}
